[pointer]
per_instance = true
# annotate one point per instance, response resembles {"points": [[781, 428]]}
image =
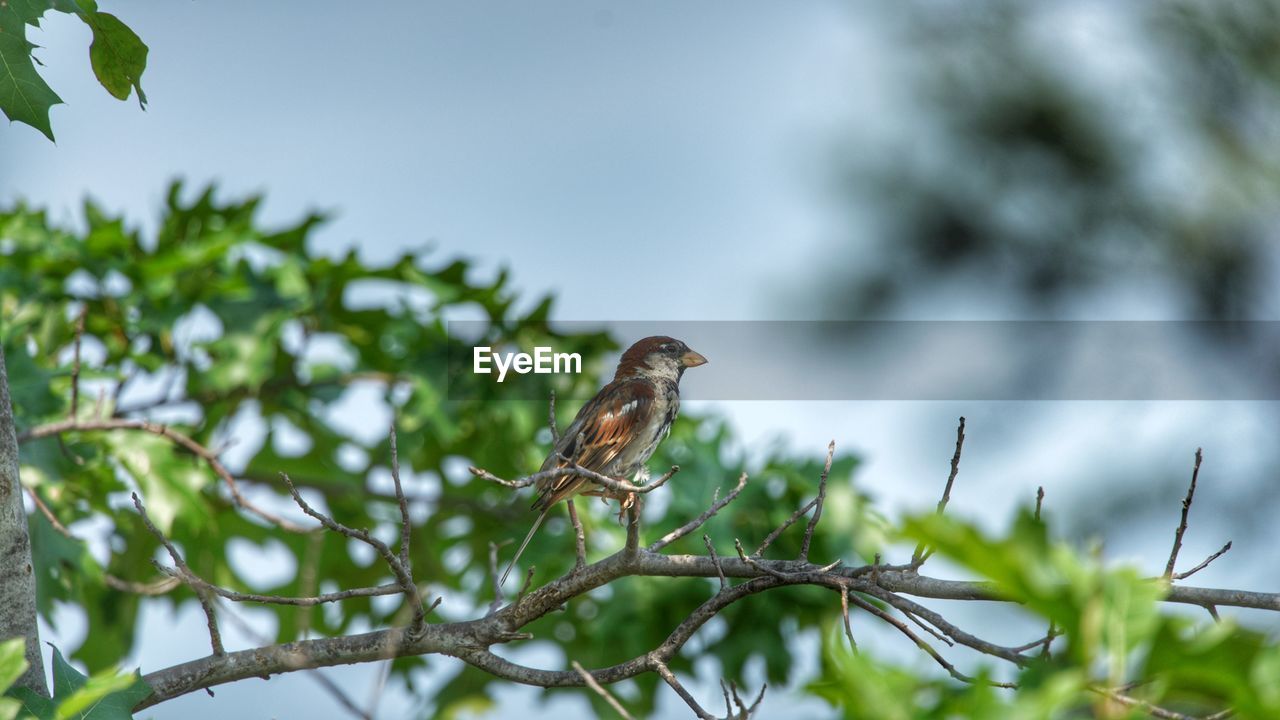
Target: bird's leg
{"points": [[632, 505], [628, 501]]}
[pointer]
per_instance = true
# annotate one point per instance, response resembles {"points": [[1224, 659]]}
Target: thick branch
{"points": [[17, 581], [470, 640]]}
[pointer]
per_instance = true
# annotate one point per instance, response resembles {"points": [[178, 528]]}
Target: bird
{"points": [[615, 433]]}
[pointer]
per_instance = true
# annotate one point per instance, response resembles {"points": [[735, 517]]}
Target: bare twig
{"points": [[1052, 633], [579, 536], [768, 540], [551, 420], [403, 573], [493, 573], [189, 577], [920, 642], [75, 363], [744, 710], [621, 487], [817, 508], [156, 587], [715, 560], [1203, 563], [1153, 710], [406, 527], [180, 439], [206, 604], [844, 613], [920, 555], [716, 506], [1182, 524], [598, 689], [665, 673], [955, 467], [308, 578], [163, 586]]}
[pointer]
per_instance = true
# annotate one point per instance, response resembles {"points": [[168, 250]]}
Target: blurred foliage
{"points": [[238, 335], [1057, 148], [1115, 637], [117, 55]]}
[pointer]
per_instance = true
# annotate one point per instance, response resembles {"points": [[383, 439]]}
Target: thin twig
{"points": [[817, 508], [309, 578], [715, 559], [191, 578], [406, 527], [1203, 563], [528, 581], [1153, 710], [744, 710], [493, 573], [1038, 642], [75, 363], [156, 587], [927, 628], [621, 487], [665, 673], [1182, 524], [598, 689], [206, 604], [1053, 630], [844, 613], [402, 573], [694, 524], [579, 537], [551, 420], [920, 642], [180, 439], [920, 555], [768, 540]]}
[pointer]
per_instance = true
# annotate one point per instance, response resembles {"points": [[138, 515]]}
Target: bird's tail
{"points": [[536, 524]]}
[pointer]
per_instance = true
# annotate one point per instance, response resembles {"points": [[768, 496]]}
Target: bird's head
{"points": [[658, 356]]}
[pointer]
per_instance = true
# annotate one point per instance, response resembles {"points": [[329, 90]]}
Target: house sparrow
{"points": [[617, 431]]}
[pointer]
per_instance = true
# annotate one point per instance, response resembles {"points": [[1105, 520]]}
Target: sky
{"points": [[643, 161]]}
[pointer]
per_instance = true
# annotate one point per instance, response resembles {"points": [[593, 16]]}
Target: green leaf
{"points": [[13, 661], [118, 56], [1216, 664], [1101, 611], [105, 696], [32, 705], [24, 95]]}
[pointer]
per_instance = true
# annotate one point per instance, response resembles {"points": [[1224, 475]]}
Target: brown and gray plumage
{"points": [[616, 432]]}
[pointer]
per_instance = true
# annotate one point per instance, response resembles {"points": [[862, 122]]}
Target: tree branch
{"points": [[180, 439]]}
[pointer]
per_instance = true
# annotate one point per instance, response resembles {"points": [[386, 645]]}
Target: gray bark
{"points": [[17, 580], [471, 640]]}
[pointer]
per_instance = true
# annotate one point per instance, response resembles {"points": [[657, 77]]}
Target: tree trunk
{"points": [[17, 581]]}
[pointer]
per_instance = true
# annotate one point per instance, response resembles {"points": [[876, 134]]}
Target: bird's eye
{"points": [[667, 347]]}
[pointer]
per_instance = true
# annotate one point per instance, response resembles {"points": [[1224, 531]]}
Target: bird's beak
{"points": [[692, 359]]}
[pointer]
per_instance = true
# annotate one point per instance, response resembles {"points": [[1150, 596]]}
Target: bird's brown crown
{"points": [[640, 357]]}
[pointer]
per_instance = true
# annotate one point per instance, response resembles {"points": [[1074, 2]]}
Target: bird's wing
{"points": [[603, 428]]}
